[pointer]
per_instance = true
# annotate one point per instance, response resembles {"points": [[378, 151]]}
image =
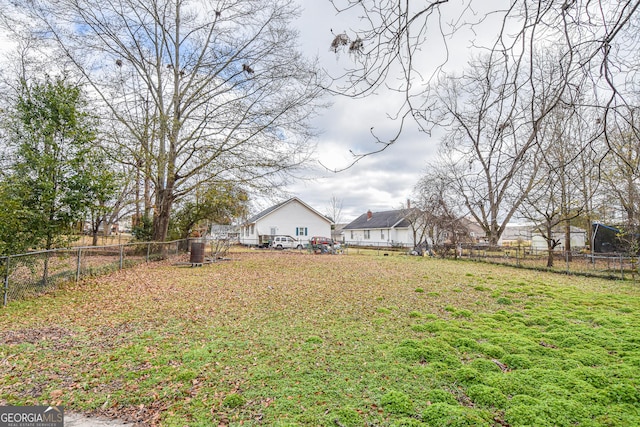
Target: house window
{"points": [[367, 234], [382, 234], [252, 229], [302, 231], [351, 234]]}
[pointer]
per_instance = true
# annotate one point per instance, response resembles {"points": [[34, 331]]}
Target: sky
{"points": [[379, 182]]}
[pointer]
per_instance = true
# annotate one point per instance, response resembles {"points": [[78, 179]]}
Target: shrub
{"points": [[504, 301]]}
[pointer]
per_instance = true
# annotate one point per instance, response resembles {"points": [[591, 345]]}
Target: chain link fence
{"points": [[606, 265], [34, 273]]}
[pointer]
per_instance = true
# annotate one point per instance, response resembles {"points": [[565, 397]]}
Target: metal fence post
{"points": [[148, 250], [79, 265], [6, 282], [121, 256]]}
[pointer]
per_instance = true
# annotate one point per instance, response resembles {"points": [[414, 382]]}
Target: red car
{"points": [[317, 240]]}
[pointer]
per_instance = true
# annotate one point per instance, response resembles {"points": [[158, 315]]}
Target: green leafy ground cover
{"points": [[292, 339]]}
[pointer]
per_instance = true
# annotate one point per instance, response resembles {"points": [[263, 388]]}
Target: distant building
{"points": [[388, 228]]}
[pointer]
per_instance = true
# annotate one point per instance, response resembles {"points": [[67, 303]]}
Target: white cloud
{"points": [[378, 182]]}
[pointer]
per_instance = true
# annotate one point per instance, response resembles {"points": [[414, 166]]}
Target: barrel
{"points": [[197, 253]]}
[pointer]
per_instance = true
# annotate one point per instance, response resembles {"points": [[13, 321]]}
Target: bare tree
{"points": [[207, 91], [621, 175], [400, 46], [553, 200], [492, 115], [334, 210], [443, 222], [418, 222]]}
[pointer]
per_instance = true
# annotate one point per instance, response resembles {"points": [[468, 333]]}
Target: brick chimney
{"points": [[369, 215]]}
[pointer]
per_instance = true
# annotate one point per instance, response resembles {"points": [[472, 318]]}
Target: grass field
{"points": [[285, 339]]}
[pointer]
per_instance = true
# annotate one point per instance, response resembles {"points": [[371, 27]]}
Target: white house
{"points": [[292, 218], [388, 228]]}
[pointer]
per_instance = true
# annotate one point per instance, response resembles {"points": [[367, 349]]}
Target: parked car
{"points": [[285, 242], [317, 240]]}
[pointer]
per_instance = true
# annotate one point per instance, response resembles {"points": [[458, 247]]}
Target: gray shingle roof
{"points": [[267, 211], [386, 219]]}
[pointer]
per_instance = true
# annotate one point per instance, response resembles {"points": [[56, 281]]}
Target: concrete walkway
{"points": [[77, 420]]}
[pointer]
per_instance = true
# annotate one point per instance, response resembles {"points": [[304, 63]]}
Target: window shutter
{"points": [[297, 230], [305, 231]]}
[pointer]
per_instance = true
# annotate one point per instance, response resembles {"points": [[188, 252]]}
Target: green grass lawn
{"points": [[286, 339]]}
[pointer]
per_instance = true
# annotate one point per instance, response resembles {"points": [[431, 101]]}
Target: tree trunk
{"points": [[164, 201], [567, 241], [550, 253]]}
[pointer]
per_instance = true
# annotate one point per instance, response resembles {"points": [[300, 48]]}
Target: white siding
{"points": [[392, 237]]}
